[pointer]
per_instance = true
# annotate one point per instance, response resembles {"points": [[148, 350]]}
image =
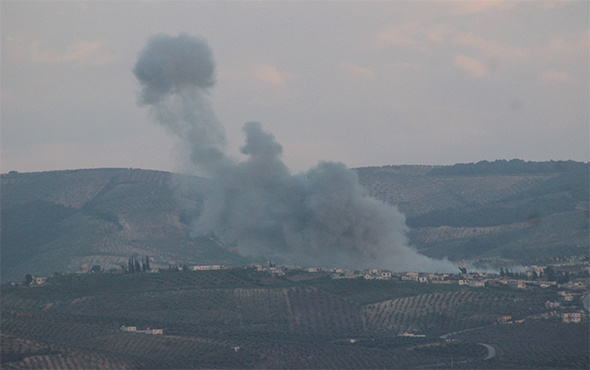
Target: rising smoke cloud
{"points": [[320, 217]]}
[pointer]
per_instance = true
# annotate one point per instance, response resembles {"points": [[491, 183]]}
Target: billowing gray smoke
{"points": [[319, 218]]}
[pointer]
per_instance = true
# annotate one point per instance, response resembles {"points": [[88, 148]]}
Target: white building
{"points": [[206, 268], [133, 329], [39, 280], [552, 304], [413, 276], [476, 283], [571, 317]]}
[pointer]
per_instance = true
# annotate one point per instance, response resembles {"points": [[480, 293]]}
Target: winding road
{"points": [[491, 351], [491, 354]]}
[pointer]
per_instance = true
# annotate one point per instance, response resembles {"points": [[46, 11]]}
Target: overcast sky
{"points": [[363, 83]]}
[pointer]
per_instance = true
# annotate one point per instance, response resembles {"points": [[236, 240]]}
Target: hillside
{"points": [[490, 211], [242, 318], [56, 221], [501, 212]]}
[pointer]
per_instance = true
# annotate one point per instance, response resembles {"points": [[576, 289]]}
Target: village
{"points": [[572, 278], [566, 306], [569, 280], [534, 298]]}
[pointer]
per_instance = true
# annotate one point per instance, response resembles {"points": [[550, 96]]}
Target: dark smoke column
{"points": [[176, 74], [319, 218]]}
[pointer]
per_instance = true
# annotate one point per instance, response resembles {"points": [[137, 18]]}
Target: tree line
{"points": [[134, 266]]}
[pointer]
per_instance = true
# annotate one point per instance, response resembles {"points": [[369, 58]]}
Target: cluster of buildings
{"points": [[38, 280], [571, 317], [568, 293], [474, 279], [563, 306], [205, 267], [133, 329]]}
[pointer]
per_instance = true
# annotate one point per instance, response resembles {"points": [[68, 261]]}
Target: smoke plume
{"points": [[320, 217]]}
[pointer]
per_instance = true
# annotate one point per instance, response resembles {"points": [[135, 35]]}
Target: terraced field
{"points": [[241, 318], [416, 192], [56, 221], [443, 312], [499, 212]]}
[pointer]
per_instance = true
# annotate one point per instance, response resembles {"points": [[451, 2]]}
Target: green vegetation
{"points": [[367, 291], [28, 226], [514, 166], [513, 211], [56, 221], [536, 344], [242, 318]]}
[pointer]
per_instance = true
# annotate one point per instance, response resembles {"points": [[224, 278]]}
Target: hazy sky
{"points": [[363, 83]]}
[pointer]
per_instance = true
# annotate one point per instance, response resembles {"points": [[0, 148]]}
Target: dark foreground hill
{"points": [[241, 318], [502, 212]]}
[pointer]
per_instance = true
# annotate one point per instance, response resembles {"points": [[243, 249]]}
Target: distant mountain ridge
{"points": [[498, 211], [489, 211], [514, 166]]}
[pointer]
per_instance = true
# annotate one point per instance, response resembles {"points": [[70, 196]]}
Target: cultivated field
{"points": [[241, 318]]}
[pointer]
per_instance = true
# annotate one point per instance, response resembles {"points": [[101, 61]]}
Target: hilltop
{"points": [[501, 212], [490, 211]]}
